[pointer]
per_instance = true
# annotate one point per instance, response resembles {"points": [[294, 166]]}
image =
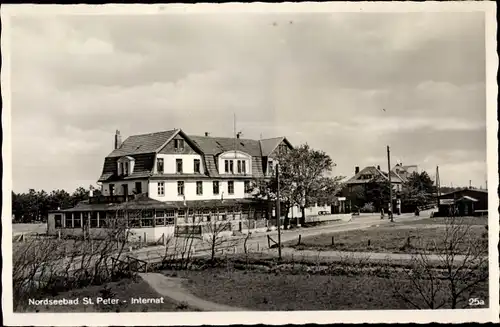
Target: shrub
{"points": [[368, 208]]}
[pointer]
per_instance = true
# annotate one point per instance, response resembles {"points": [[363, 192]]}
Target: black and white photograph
{"points": [[267, 163]]}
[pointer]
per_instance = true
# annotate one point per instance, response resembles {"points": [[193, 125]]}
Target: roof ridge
{"points": [[221, 137], [146, 134]]}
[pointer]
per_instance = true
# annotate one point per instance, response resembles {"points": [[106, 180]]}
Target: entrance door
{"points": [[125, 190]]}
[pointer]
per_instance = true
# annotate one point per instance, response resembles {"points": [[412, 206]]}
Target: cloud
{"points": [[323, 79]]}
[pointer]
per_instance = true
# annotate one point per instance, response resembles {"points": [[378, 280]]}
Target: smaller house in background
{"points": [[370, 174], [404, 172], [464, 202]]}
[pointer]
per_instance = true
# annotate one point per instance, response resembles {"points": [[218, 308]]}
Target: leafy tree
{"points": [[377, 191], [418, 190], [79, 195], [303, 178]]}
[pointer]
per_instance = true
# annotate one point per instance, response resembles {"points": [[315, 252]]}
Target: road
{"points": [[258, 242]]}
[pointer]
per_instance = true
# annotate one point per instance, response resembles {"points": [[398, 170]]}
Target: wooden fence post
{"points": [[300, 237]]}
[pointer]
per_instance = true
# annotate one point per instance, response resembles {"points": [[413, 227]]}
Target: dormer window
{"points": [[126, 166]]}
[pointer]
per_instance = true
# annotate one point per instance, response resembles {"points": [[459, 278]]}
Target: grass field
{"points": [[122, 290], [443, 220], [384, 239], [286, 291]]}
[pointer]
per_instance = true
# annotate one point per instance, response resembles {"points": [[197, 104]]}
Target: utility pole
{"points": [[438, 185], [278, 211], [391, 213]]}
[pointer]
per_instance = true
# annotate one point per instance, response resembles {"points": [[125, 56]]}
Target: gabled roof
{"points": [[269, 145], [142, 148], [144, 143], [395, 177], [370, 170]]}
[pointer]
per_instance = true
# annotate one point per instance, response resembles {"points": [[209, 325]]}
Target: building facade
{"points": [[168, 181]]}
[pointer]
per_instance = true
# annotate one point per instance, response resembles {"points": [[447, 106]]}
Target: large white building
{"points": [[177, 180], [172, 166]]}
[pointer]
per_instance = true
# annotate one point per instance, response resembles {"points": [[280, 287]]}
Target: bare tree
{"points": [[446, 271], [215, 236], [42, 265]]}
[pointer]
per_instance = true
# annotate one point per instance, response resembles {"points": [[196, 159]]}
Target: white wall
{"points": [[234, 155], [170, 166], [190, 190], [119, 189]]}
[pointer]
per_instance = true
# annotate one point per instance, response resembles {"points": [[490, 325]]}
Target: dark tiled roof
{"points": [[211, 166], [144, 202], [371, 170], [144, 143], [257, 168], [85, 206], [216, 145], [268, 145], [142, 168], [142, 149]]}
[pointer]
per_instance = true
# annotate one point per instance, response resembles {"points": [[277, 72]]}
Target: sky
{"points": [[346, 83]]}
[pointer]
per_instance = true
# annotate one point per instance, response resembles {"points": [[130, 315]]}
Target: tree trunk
{"points": [[287, 220], [303, 215]]}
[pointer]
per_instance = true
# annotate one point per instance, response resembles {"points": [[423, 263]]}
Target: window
{"points": [[178, 163], [231, 166], [77, 220], [199, 188], [121, 168], [226, 166], [138, 187], [58, 221], [230, 187], [244, 166], [147, 218], [248, 187], [180, 188], [169, 217], [216, 187], [270, 168], [111, 189], [159, 165], [68, 220], [196, 165], [161, 188], [239, 166], [125, 172], [125, 189], [93, 219], [160, 218], [282, 148], [179, 144]]}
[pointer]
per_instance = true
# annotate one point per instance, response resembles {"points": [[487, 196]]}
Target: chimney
{"points": [[118, 139], [237, 135], [356, 170], [207, 134], [378, 167]]}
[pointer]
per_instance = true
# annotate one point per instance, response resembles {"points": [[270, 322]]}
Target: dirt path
{"points": [[173, 289]]}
